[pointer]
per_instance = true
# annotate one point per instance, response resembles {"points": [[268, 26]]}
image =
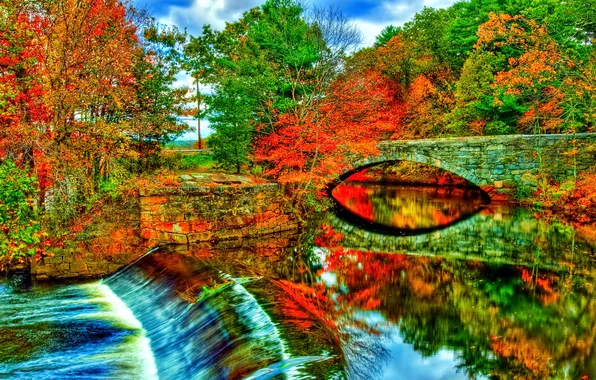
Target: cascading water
{"points": [[223, 335], [155, 319], [70, 332]]}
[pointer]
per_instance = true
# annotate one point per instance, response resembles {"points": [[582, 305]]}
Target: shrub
{"points": [[19, 222]]}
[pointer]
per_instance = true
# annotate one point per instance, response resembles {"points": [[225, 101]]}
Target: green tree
{"points": [[152, 117], [476, 112], [233, 125], [280, 59], [387, 34], [427, 31], [19, 224]]}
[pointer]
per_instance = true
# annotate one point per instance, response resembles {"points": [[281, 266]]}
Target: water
{"points": [[410, 283], [70, 332]]}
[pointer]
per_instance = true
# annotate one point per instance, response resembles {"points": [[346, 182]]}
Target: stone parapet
{"points": [[205, 210], [500, 165]]}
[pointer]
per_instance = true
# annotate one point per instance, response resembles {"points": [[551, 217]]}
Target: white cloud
{"points": [[212, 12], [369, 30]]}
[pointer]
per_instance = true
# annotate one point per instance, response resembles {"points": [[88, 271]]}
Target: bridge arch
{"points": [[368, 162]]}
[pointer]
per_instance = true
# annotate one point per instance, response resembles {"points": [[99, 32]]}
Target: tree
{"points": [[355, 114], [152, 115], [387, 34], [427, 31], [22, 109], [531, 79], [233, 126], [279, 59], [80, 88], [476, 112]]}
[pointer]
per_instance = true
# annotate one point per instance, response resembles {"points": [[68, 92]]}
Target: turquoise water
{"points": [[70, 332]]}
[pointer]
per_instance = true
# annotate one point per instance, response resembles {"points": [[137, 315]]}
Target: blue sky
{"points": [[370, 16]]}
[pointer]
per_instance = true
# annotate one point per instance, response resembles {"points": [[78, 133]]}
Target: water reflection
{"points": [[501, 294], [462, 318], [408, 208]]}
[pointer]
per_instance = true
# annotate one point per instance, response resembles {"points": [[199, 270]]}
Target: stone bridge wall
{"points": [[499, 234], [497, 164]]}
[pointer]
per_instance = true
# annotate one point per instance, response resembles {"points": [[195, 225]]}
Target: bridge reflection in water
{"points": [[453, 223]]}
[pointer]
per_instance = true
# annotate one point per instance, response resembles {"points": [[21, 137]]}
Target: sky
{"points": [[370, 16]]}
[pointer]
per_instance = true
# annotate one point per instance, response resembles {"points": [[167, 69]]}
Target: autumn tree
{"points": [[79, 87], [21, 102], [514, 80], [355, 114]]}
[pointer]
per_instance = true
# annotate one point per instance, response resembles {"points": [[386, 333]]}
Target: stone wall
{"points": [[195, 213], [498, 234], [106, 242], [209, 211], [497, 164]]}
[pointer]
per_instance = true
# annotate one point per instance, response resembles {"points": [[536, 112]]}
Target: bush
{"points": [[19, 219]]}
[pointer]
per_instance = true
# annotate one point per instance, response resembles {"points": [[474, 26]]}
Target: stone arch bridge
{"points": [[496, 164]]}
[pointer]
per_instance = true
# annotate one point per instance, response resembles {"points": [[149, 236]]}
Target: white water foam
{"points": [[138, 347]]}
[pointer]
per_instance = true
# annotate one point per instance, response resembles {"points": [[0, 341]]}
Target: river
{"points": [[402, 283]]}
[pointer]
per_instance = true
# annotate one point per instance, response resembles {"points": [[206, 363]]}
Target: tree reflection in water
{"points": [[408, 208], [388, 315], [501, 321], [500, 294]]}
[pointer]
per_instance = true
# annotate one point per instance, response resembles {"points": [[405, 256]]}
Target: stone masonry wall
{"points": [[207, 210], [497, 164], [193, 213], [106, 243]]}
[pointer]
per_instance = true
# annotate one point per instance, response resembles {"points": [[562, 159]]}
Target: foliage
{"points": [[273, 65], [84, 86], [354, 114], [233, 126], [578, 203], [153, 115], [387, 34], [19, 222]]}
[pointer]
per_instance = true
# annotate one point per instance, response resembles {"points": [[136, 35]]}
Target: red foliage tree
{"points": [[357, 112]]}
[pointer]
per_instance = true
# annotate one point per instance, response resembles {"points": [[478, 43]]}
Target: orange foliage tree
{"points": [[533, 77]]}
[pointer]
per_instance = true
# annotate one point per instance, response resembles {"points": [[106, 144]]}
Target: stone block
{"points": [[149, 234], [201, 237], [181, 227], [42, 269], [62, 268], [78, 267], [178, 238], [229, 234]]}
